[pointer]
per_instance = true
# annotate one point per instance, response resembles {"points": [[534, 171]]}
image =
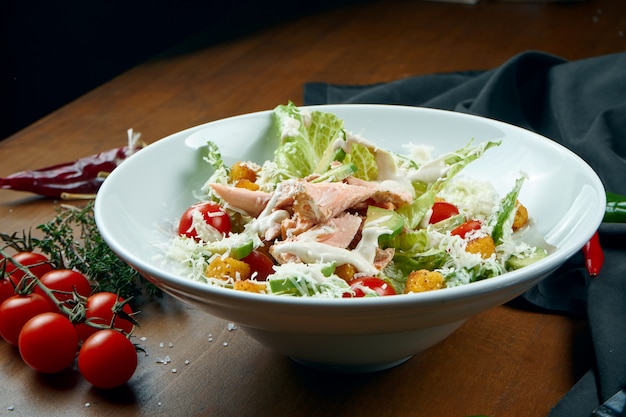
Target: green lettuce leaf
{"points": [[220, 173], [398, 270], [323, 130], [303, 143], [455, 161], [365, 161], [505, 211], [410, 242], [295, 154]]}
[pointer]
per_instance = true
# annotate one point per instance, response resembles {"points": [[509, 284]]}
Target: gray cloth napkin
{"points": [[581, 105]]}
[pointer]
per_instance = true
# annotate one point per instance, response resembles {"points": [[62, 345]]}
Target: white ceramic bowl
{"points": [[154, 186]]}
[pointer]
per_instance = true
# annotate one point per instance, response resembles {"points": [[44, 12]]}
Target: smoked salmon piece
{"points": [[250, 201]]}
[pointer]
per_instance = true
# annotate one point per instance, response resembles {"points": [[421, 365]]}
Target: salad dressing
{"points": [[388, 175], [430, 171]]}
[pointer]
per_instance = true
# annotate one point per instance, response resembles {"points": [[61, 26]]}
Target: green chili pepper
{"points": [[615, 211]]}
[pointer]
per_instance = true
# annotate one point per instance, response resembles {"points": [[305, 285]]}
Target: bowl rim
{"points": [[510, 279]]}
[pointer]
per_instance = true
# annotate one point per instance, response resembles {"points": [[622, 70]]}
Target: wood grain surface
{"points": [[508, 361]]}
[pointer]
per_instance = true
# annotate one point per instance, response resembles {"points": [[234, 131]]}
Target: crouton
{"points": [[423, 280], [247, 184], [250, 286], [227, 268], [484, 246], [346, 271], [242, 171], [521, 217]]}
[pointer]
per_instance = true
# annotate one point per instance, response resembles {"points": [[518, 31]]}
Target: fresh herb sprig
{"points": [[72, 240]]}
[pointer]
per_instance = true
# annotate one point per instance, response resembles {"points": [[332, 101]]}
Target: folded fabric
{"points": [[581, 105]]}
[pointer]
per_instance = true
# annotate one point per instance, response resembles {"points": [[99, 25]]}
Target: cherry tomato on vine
{"points": [[37, 263], [6, 289], [6, 286], [259, 263], [16, 310], [48, 343], [465, 228], [99, 310], [107, 359], [378, 285], [441, 211], [63, 282], [213, 215]]}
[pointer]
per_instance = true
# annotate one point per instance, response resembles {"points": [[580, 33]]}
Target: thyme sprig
{"points": [[72, 240]]}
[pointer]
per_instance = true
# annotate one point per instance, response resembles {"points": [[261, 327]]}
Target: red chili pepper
{"points": [[594, 256], [80, 178]]}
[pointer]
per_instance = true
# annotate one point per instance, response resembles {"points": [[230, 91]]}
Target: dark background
{"points": [[51, 52]]}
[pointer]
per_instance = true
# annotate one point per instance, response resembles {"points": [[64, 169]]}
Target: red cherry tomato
{"points": [[465, 228], [6, 286], [63, 282], [441, 211], [15, 311], [99, 310], [212, 213], [37, 263], [378, 285], [107, 359], [48, 343], [259, 263], [6, 289]]}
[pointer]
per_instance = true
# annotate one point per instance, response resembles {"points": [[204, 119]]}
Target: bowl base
{"points": [[351, 369]]}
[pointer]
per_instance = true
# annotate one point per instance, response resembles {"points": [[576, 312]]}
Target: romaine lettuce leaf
{"points": [[295, 154], [220, 173], [414, 212], [410, 242], [455, 162], [364, 159], [323, 130], [303, 139], [398, 270], [505, 211], [306, 144]]}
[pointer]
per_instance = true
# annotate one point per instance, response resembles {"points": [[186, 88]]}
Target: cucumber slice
{"points": [[517, 262], [235, 246]]}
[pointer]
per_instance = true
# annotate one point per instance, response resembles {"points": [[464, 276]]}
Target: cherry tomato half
{"points": [[107, 359], [465, 228], [63, 283], [259, 263], [37, 263], [16, 310], [212, 213], [378, 285], [441, 211], [48, 343], [99, 310]]}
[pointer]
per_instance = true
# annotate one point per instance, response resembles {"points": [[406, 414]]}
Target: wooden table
{"points": [[505, 362]]}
